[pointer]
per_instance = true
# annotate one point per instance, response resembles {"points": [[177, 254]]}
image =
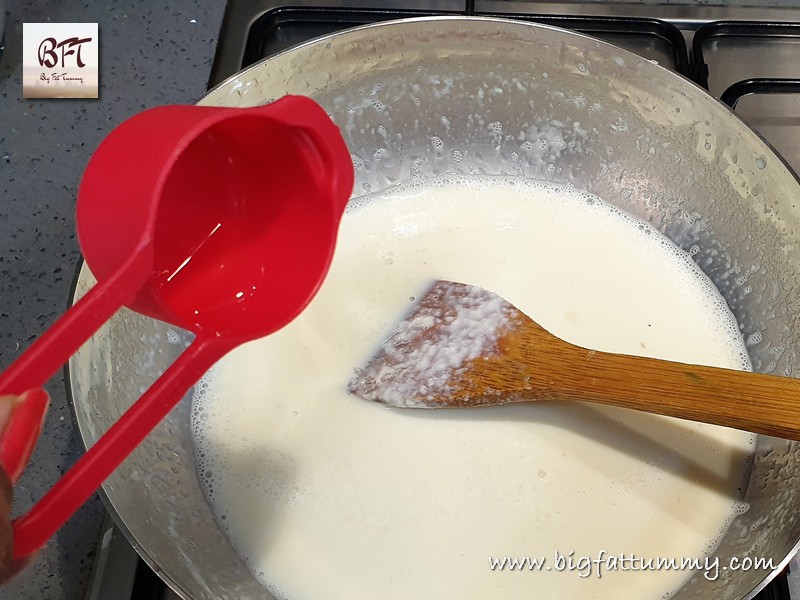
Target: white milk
{"points": [[328, 496]]}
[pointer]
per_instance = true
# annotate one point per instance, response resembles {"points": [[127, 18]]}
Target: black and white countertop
{"points": [[150, 54]]}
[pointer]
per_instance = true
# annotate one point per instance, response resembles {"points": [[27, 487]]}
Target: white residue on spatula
{"points": [[452, 326]]}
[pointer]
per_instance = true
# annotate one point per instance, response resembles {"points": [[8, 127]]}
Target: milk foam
{"points": [[325, 495]]}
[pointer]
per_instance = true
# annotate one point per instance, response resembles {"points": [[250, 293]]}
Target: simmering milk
{"points": [[328, 496]]}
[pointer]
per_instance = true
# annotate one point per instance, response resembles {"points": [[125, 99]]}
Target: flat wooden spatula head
{"points": [[453, 349]]}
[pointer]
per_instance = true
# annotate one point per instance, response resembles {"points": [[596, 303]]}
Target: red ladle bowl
{"points": [[221, 221]]}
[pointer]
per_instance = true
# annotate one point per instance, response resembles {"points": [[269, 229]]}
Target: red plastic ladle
{"points": [[221, 221]]}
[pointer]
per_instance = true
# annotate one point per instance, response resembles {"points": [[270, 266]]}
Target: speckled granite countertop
{"points": [[149, 56]]}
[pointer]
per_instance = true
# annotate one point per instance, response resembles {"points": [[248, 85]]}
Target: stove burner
{"points": [[722, 61]]}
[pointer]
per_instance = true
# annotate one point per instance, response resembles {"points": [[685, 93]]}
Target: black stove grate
{"points": [[282, 28], [752, 67], [711, 32], [277, 29], [758, 85], [618, 31]]}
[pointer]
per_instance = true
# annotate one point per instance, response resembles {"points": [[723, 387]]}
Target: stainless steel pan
{"points": [[428, 96]]}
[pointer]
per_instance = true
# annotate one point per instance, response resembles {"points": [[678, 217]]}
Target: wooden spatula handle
{"points": [[523, 362], [754, 402]]}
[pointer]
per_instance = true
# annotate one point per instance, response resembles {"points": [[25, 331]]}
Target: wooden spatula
{"points": [[463, 346]]}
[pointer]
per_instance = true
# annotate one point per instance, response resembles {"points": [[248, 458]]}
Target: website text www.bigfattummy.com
{"points": [[606, 562]]}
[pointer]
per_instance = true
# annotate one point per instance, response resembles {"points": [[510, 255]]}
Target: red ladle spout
{"points": [[221, 221]]}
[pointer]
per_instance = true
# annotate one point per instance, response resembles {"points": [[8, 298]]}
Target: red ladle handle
{"points": [[32, 530], [40, 361]]}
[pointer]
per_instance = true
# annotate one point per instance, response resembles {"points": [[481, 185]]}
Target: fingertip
{"points": [[21, 432], [7, 405]]}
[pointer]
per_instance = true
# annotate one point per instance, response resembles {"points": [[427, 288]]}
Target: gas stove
{"points": [[745, 56]]}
